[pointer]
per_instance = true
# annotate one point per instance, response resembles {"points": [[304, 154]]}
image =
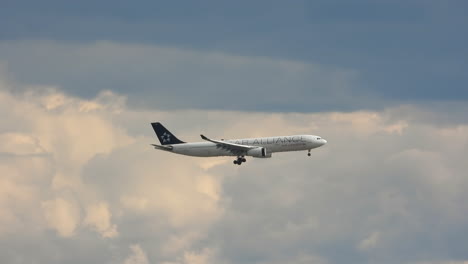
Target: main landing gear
{"points": [[239, 160], [308, 154]]}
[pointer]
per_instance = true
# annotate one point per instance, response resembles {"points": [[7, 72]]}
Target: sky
{"points": [[383, 81]]}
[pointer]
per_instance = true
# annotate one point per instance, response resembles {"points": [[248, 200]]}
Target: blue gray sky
{"points": [[383, 81], [391, 52]]}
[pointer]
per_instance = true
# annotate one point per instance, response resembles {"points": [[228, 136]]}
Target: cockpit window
{"points": [[318, 138]]}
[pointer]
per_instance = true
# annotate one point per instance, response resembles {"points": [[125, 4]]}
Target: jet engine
{"points": [[259, 153]]}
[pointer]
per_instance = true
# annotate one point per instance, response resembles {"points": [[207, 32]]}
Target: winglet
{"points": [[203, 137]]}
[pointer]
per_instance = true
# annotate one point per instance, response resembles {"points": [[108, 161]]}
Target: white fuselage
{"points": [[271, 144]]}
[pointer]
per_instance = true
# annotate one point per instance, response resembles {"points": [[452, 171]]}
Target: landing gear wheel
{"points": [[239, 160], [308, 154]]}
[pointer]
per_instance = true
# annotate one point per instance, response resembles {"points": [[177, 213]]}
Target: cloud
{"points": [[442, 262], [211, 80], [79, 178], [62, 216], [98, 217], [138, 256], [370, 241], [204, 257], [400, 51], [54, 157]]}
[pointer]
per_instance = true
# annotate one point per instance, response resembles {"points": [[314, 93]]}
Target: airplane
{"points": [[253, 147]]}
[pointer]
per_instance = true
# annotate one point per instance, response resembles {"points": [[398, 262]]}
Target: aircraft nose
{"points": [[324, 142]]}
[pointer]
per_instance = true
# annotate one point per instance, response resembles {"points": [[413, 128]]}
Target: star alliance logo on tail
{"points": [[166, 137]]}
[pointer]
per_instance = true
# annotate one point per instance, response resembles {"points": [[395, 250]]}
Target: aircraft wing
{"points": [[236, 149]]}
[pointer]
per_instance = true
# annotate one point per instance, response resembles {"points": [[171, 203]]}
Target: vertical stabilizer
{"points": [[164, 135]]}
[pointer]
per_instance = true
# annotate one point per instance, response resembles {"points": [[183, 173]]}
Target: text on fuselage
{"points": [[269, 141]]}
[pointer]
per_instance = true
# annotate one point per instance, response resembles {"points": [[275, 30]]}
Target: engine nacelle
{"points": [[259, 153]]}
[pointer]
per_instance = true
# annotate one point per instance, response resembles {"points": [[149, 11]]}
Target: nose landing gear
{"points": [[239, 160], [308, 154]]}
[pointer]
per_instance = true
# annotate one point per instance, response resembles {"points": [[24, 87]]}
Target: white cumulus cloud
{"points": [[80, 183]]}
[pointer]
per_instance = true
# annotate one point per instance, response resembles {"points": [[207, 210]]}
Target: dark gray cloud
{"points": [[168, 78], [403, 50]]}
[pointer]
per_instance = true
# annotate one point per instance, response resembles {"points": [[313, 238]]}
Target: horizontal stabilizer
{"points": [[168, 148]]}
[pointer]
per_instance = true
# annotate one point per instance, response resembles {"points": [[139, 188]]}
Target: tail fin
{"points": [[164, 136]]}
